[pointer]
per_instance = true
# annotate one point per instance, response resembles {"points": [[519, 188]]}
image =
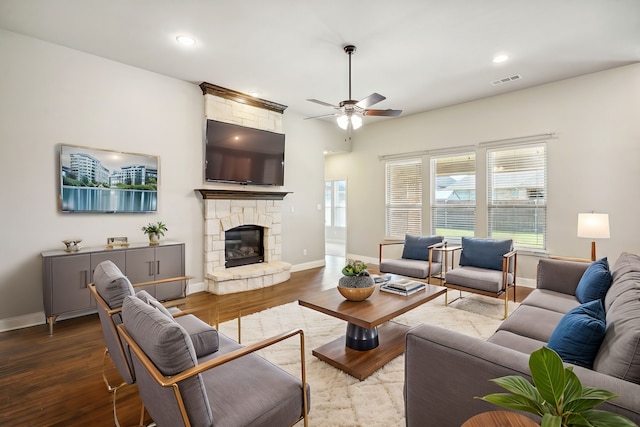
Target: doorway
{"points": [[335, 217]]}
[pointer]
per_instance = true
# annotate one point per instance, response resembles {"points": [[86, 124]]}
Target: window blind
{"points": [[453, 195], [403, 198], [517, 194]]}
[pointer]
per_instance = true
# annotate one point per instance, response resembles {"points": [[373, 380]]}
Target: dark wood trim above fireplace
{"points": [[242, 194], [243, 98]]}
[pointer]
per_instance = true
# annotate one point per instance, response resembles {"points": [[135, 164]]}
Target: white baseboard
{"points": [[308, 265], [23, 321]]}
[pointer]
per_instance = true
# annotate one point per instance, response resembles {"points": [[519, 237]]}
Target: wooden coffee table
{"points": [[371, 339]]}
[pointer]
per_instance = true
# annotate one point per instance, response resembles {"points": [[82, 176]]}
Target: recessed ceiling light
{"points": [[186, 40], [500, 58], [255, 93]]}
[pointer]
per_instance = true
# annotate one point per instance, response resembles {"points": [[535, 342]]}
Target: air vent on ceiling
{"points": [[506, 79]]}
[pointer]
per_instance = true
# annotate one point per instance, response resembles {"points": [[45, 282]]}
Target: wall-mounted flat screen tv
{"points": [[243, 155], [95, 180]]}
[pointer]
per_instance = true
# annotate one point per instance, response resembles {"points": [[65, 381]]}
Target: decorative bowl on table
{"points": [[356, 294], [356, 284]]}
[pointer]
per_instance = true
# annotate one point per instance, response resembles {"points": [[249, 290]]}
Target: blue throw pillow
{"points": [[579, 333], [484, 253], [595, 281], [417, 247]]}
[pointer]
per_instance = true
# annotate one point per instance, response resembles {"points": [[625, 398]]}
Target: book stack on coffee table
{"points": [[404, 287]]}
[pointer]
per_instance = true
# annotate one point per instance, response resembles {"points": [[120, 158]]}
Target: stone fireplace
{"points": [[228, 211]]}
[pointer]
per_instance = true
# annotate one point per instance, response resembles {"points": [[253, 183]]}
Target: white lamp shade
{"points": [[593, 225]]}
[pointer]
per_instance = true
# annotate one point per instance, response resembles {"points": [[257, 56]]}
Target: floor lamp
{"points": [[593, 226]]}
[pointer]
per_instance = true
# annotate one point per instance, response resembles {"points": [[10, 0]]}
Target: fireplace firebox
{"points": [[244, 245]]}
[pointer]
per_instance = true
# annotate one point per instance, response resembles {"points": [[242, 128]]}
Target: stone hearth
{"points": [[224, 214]]}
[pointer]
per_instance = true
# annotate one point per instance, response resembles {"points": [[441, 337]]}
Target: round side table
{"points": [[500, 419]]}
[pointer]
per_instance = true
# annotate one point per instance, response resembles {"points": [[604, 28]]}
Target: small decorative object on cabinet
{"points": [[117, 241], [356, 284], [72, 245], [154, 231]]}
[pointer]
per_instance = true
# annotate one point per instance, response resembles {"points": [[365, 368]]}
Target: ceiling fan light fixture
{"points": [[345, 119], [356, 122]]}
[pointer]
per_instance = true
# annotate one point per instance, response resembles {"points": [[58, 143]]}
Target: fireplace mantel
{"points": [[242, 194]]}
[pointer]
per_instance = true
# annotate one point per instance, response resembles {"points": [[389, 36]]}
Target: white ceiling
{"points": [[420, 54]]}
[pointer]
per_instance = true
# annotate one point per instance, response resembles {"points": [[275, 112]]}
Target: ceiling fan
{"points": [[349, 112]]}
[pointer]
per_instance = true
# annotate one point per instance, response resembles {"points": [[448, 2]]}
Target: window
{"points": [[404, 198], [453, 195], [517, 194]]}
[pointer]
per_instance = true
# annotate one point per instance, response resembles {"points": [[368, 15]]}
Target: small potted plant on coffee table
{"points": [[356, 284]]}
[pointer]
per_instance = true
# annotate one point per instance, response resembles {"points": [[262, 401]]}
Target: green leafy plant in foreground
{"points": [[558, 396]]}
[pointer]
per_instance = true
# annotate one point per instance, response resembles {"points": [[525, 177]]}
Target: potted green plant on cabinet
{"points": [[154, 231]]}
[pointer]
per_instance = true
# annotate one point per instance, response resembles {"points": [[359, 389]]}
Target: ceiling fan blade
{"points": [[386, 113], [326, 104], [319, 117], [367, 102]]}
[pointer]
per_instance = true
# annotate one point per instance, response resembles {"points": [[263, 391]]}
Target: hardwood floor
{"points": [[57, 380]]}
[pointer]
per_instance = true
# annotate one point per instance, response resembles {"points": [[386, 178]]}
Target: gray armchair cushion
{"points": [[417, 247], [164, 341], [484, 253], [204, 338], [169, 348], [149, 299], [111, 284], [477, 278], [410, 267]]}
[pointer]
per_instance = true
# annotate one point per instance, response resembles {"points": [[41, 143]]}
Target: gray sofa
{"points": [[445, 370]]}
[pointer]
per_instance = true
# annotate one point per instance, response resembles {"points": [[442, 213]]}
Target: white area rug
{"points": [[338, 399]]}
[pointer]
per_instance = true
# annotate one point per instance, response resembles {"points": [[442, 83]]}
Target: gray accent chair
{"points": [[232, 386], [487, 267], [109, 289], [418, 258]]}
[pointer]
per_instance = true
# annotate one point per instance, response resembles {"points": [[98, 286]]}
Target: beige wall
{"points": [[51, 95], [593, 164]]}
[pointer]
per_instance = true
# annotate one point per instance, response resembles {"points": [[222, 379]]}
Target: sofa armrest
{"points": [[560, 275], [446, 370]]}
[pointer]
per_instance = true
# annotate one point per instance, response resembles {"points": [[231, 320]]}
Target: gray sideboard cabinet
{"points": [[66, 275]]}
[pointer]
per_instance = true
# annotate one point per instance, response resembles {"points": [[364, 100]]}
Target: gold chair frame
{"points": [[504, 292], [210, 364], [112, 312], [401, 242]]}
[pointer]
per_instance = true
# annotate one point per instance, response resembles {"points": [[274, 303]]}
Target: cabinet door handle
{"points": [[158, 267], [150, 268], [86, 277]]}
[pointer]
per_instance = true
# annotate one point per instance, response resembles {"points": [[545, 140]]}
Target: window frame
{"points": [[531, 188], [396, 228], [437, 206]]}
